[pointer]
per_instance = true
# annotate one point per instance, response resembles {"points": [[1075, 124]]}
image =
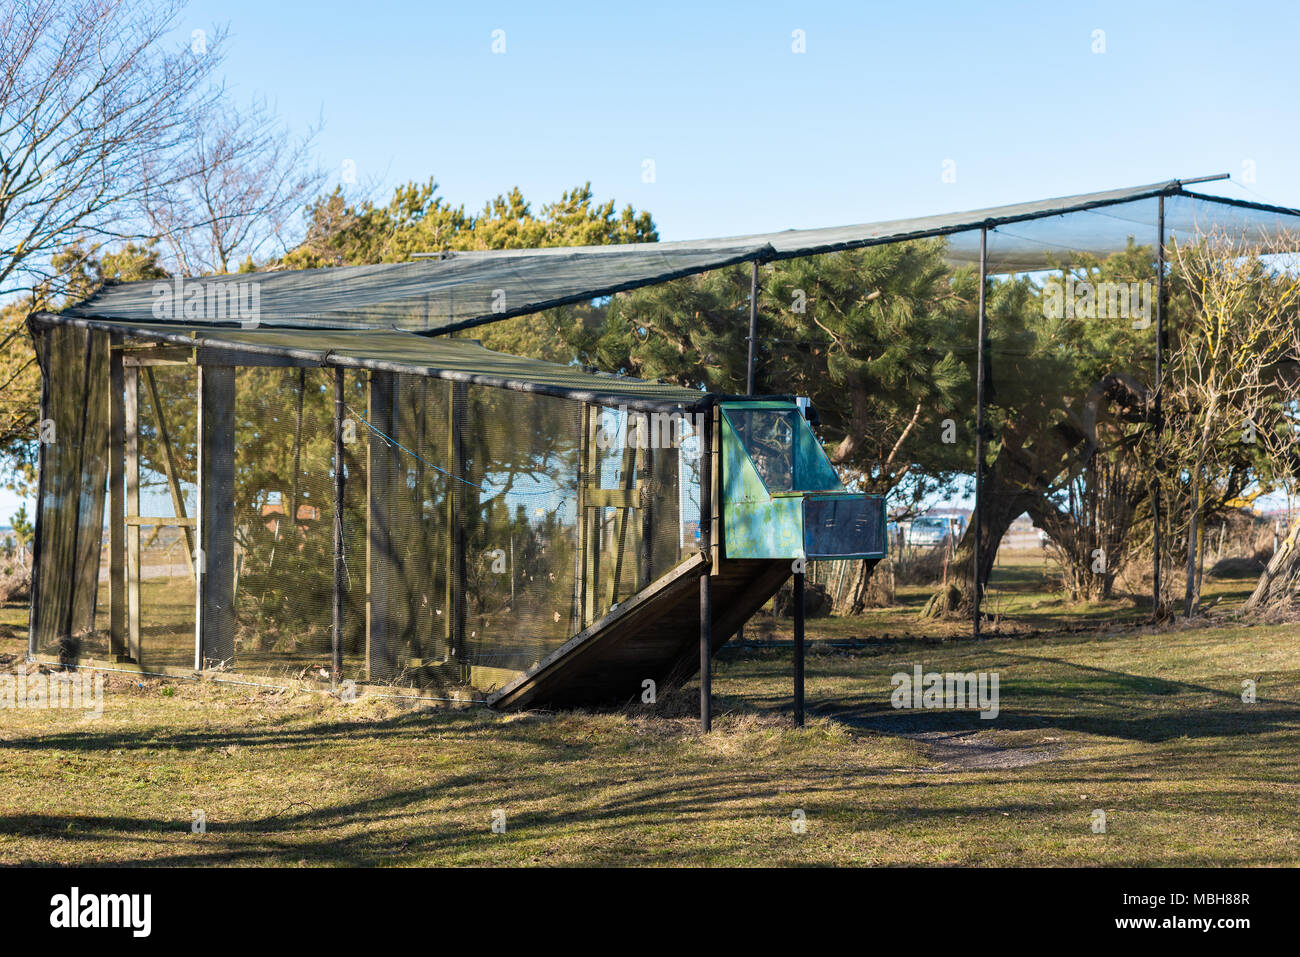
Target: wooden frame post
{"points": [[215, 560], [340, 570], [449, 570], [458, 573], [131, 403], [591, 517], [645, 482], [380, 561], [116, 502]]}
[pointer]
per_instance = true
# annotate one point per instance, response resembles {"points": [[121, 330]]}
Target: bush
{"points": [[1251, 567], [923, 566], [816, 600], [15, 584]]}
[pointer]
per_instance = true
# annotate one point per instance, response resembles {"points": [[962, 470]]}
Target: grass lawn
{"points": [[1146, 725]]}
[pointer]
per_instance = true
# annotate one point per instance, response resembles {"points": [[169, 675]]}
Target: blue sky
{"points": [[747, 135]]}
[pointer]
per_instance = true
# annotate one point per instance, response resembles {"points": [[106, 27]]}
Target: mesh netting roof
{"points": [[391, 350], [463, 289]]}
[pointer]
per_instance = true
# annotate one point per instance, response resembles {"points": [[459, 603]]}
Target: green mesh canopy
{"points": [[457, 290]]}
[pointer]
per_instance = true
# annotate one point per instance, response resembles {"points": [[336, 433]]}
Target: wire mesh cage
{"points": [[340, 524], [334, 493]]}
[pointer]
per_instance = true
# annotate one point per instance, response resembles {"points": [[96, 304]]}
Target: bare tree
{"points": [[242, 181], [93, 101], [1230, 395]]}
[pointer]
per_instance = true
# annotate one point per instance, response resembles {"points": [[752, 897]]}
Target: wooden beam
{"points": [[611, 498], [140, 357], [215, 355]]}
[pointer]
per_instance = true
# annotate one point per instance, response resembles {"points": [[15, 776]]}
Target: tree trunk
{"points": [[1280, 581], [860, 580], [1190, 593], [998, 512]]}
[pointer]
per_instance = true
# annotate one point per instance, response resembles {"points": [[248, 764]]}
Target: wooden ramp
{"points": [[655, 634]]}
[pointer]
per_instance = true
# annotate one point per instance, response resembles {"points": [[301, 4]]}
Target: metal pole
{"points": [[798, 648], [753, 328], [339, 480], [1193, 537], [706, 597], [749, 373], [1160, 342], [978, 516]]}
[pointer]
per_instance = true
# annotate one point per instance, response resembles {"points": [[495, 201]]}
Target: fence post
{"points": [[798, 647], [706, 552], [978, 513], [336, 633]]}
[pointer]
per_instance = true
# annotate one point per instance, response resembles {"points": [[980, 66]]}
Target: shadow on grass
{"points": [[1083, 698], [404, 825], [1149, 728], [272, 735]]}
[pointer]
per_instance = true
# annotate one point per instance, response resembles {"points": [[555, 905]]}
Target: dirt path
{"points": [[979, 750]]}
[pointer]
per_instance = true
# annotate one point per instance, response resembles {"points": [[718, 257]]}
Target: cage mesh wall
{"points": [[466, 556], [166, 442], [71, 620], [517, 492], [283, 521], [482, 527], [1071, 353], [400, 549]]}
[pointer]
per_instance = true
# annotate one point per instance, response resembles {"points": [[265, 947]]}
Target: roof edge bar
{"points": [[331, 359], [1240, 203]]}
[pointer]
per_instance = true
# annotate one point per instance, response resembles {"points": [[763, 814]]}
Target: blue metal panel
{"points": [[844, 526], [764, 529]]}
